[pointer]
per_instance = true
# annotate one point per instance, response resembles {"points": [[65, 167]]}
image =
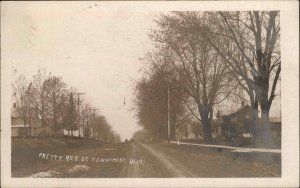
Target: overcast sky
{"points": [[94, 48]]}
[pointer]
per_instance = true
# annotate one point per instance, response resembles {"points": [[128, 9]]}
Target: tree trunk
{"points": [[206, 116], [196, 134], [43, 120], [254, 123], [186, 134], [206, 129], [208, 133], [29, 126], [24, 131], [55, 126], [265, 134], [43, 125], [172, 129], [153, 135]]}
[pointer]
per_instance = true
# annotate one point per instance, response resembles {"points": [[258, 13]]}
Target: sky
{"points": [[95, 48]]}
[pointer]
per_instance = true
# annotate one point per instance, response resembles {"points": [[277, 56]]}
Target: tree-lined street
{"points": [[198, 98], [46, 107], [149, 94], [214, 60]]}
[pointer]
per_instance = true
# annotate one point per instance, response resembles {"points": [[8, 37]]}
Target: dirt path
{"points": [[131, 170], [154, 162], [174, 167], [234, 149]]}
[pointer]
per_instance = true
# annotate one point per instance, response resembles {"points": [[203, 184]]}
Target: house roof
{"points": [[233, 112], [225, 112], [16, 114]]}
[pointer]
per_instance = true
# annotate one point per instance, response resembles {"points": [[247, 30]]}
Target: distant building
{"points": [[76, 133], [275, 126], [191, 130], [31, 128], [231, 123], [216, 127], [240, 123], [237, 123], [18, 129]]}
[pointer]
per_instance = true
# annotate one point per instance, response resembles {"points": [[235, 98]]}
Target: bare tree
{"points": [[32, 111], [152, 103], [202, 73], [151, 111], [142, 135], [20, 88], [69, 117], [104, 130], [86, 119], [57, 97], [249, 44], [40, 95]]}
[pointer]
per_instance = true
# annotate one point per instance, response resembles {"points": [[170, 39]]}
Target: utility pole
{"points": [[78, 104], [168, 113]]}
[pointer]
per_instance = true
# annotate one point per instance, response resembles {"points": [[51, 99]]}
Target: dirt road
{"points": [[140, 160], [154, 163]]}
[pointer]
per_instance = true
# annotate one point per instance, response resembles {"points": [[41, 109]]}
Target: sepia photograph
{"points": [[132, 92]]}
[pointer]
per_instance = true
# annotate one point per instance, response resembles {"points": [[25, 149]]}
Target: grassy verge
{"points": [[25, 152], [211, 162]]}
